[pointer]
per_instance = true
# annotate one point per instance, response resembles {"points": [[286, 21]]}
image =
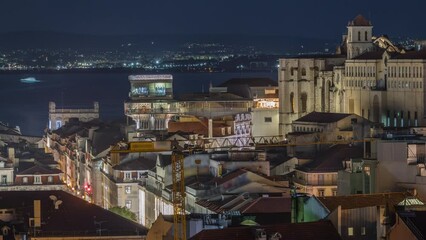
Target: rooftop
{"points": [[363, 200], [39, 170], [321, 230], [359, 21], [140, 163], [74, 216], [331, 159], [322, 117], [415, 220]]}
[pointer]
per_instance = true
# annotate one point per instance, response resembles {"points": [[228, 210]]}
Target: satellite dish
{"points": [[55, 200], [57, 203]]}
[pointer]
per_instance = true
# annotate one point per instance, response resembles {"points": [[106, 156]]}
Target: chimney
{"points": [[37, 213], [11, 156], [210, 128]]}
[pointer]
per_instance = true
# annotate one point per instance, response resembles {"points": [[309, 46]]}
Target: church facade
{"points": [[367, 76]]}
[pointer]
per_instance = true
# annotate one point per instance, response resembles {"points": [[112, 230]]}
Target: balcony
{"points": [[315, 182]]}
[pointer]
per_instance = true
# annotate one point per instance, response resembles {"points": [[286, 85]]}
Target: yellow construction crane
{"points": [[178, 177], [178, 172], [179, 213]]}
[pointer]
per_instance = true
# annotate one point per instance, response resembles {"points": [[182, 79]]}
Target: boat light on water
{"points": [[29, 80]]}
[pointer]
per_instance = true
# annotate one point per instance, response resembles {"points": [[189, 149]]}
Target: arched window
{"points": [[359, 36], [292, 102], [303, 72], [304, 101], [366, 36]]}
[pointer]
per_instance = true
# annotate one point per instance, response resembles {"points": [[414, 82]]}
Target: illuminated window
{"points": [[367, 170], [160, 89], [49, 179], [58, 124], [350, 231], [25, 179]]}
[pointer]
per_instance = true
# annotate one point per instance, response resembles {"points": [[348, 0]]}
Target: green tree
{"points": [[124, 212]]}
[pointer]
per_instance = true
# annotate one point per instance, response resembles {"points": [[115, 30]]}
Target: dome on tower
{"points": [[359, 21]]}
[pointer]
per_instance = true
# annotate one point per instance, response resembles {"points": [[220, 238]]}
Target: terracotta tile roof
{"points": [[322, 117], [190, 127], [359, 21], [322, 230], [227, 177], [136, 164], [213, 96], [371, 55], [415, 221], [331, 159], [74, 217], [421, 54], [268, 205], [39, 170], [378, 54], [252, 82], [218, 206], [105, 137], [363, 200]]}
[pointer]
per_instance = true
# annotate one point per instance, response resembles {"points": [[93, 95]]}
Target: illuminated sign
{"points": [[151, 77], [263, 103]]}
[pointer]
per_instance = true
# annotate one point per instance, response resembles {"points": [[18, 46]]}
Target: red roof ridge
{"points": [[359, 21]]}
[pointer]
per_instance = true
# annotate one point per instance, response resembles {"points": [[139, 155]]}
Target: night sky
{"points": [[307, 18]]}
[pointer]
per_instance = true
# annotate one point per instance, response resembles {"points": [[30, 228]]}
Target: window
{"points": [[49, 179], [321, 192], [292, 102], [25, 179], [334, 192], [359, 36], [303, 72], [4, 179], [140, 175], [128, 175], [363, 231], [350, 231], [268, 119], [321, 179], [37, 179], [304, 100], [129, 204], [366, 36], [58, 124], [128, 189]]}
